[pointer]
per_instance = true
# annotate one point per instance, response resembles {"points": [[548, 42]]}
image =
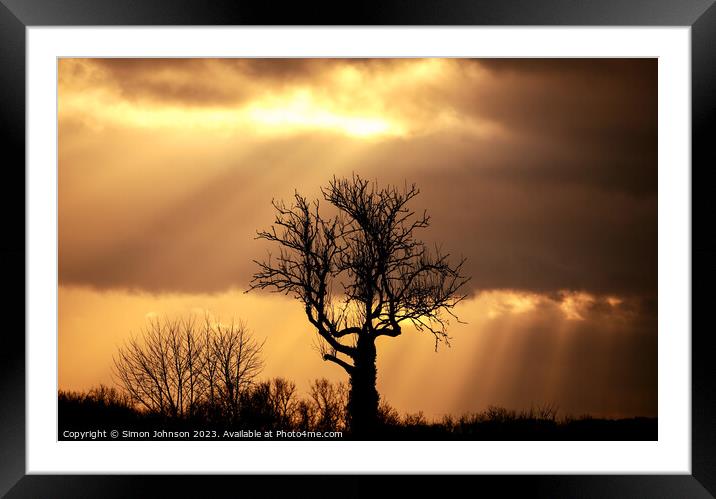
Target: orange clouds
{"points": [[542, 173], [337, 97]]}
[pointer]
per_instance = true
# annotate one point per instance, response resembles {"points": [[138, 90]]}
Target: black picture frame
{"points": [[17, 15]]}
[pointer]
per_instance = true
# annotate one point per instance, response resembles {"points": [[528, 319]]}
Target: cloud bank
{"points": [[541, 172]]}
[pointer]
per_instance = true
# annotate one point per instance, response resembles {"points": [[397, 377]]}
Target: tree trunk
{"points": [[363, 396]]}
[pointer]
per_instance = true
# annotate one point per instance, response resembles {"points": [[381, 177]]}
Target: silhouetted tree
{"points": [[388, 415], [178, 367], [284, 402], [270, 404], [329, 405], [256, 409], [305, 415], [232, 363], [360, 274]]}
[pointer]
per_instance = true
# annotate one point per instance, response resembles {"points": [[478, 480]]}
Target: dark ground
{"points": [[86, 414]]}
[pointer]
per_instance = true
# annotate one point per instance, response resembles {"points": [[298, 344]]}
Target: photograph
{"points": [[330, 249]]}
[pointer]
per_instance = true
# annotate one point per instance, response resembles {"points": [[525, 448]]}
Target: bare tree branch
{"points": [[370, 250], [332, 358]]}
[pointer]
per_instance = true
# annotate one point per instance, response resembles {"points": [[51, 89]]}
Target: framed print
{"points": [[409, 242]]}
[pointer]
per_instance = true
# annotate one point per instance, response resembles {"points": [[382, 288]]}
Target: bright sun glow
{"points": [[301, 112], [296, 113], [509, 303], [574, 305]]}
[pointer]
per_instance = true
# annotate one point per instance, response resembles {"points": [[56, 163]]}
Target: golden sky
{"points": [[541, 172]]}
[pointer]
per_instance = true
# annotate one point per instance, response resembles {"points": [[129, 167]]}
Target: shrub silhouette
{"points": [[100, 406]]}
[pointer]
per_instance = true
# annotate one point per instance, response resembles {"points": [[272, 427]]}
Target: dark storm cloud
{"points": [[517, 231], [170, 80], [602, 113], [587, 100], [210, 82], [514, 239]]}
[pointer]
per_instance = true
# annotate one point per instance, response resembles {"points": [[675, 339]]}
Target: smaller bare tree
{"points": [[162, 371], [329, 404], [233, 362], [305, 415], [174, 368], [284, 402]]}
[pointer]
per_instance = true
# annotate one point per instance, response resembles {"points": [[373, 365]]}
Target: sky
{"points": [[541, 172]]}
